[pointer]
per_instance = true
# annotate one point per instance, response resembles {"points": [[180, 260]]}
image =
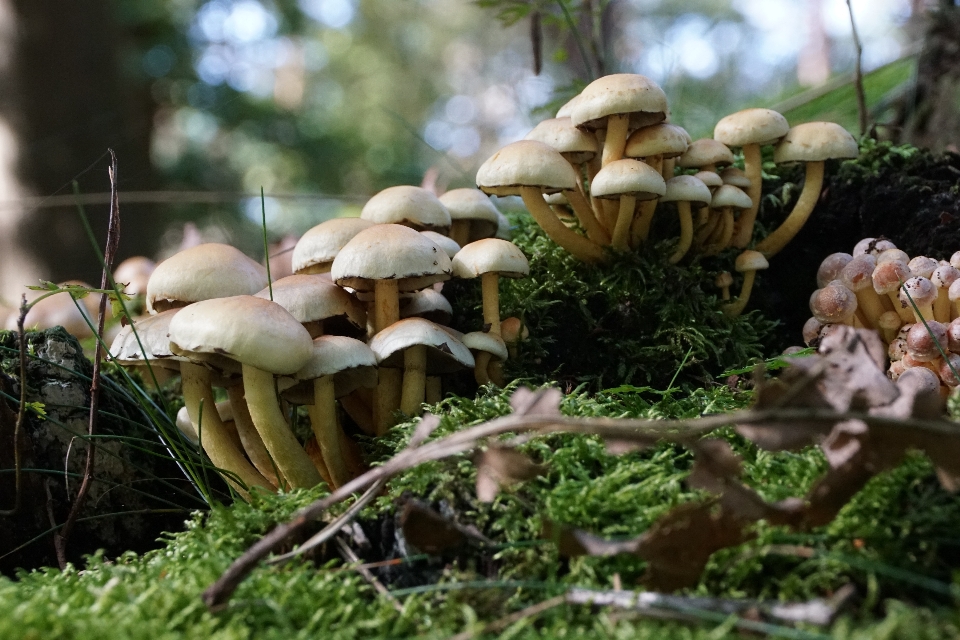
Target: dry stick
{"points": [[629, 430], [113, 240], [21, 412], [858, 78]]}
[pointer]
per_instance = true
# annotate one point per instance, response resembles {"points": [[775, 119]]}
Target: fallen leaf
{"points": [[499, 467], [543, 402]]}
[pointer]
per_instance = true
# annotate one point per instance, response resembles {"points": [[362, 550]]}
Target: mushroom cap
{"points": [[686, 188], [247, 329], [134, 273], [616, 94], [202, 272], [831, 267], [332, 355], [734, 176], [426, 303], [811, 331], [512, 329], [922, 266], [486, 342], [815, 142], [564, 111], [316, 249], [150, 342], [667, 140], [449, 245], [750, 261], [920, 289], [703, 152], [888, 255], [730, 196], [628, 177], [858, 273], [723, 279], [445, 354], [834, 304], [526, 163], [751, 126], [709, 178], [474, 205], [887, 276], [390, 252], [310, 298], [944, 276], [574, 144], [873, 246], [925, 341], [410, 206], [488, 256]]}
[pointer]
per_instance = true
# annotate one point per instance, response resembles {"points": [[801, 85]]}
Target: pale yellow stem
{"points": [[869, 302], [942, 306], [481, 364], [388, 398], [686, 232], [386, 301], [293, 462], [667, 171], [490, 288], [752, 164], [813, 182], [250, 439], [734, 309], [905, 313], [202, 409], [460, 232], [645, 220], [323, 421], [621, 234], [586, 216], [414, 379], [359, 411], [578, 246], [617, 129]]}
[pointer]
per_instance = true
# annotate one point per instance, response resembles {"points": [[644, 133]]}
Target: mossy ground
{"points": [[592, 329]]}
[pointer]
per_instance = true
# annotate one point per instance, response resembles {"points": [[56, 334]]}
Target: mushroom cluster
{"points": [[358, 328], [912, 303], [595, 176]]}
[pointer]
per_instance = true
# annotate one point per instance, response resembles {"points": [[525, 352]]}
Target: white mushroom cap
{"points": [[667, 140], [351, 362], [449, 245], [410, 206], [628, 177], [474, 205], [320, 245], [750, 261], [488, 343], [751, 126], [388, 252], [150, 342], [310, 298], [730, 196], [445, 355], [709, 178], [733, 176], [922, 266], [687, 188], [873, 246], [135, 273], [526, 163], [574, 144], [619, 94], [202, 272], [921, 290], [426, 303], [703, 152], [814, 142], [488, 256]]}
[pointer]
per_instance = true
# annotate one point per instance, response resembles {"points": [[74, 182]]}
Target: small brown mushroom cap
{"points": [[150, 342], [445, 354], [686, 188], [735, 177], [811, 331], [815, 142], [203, 272], [134, 273], [316, 249], [488, 256], [751, 126], [834, 304], [922, 266], [730, 196], [574, 144], [703, 152], [888, 276], [526, 163], [723, 279], [920, 289], [831, 267], [628, 178], [390, 252], [925, 341], [858, 273], [619, 94], [473, 205], [751, 261], [667, 140], [410, 206], [709, 178]]}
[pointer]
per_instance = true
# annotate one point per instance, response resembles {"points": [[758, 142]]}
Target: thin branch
{"points": [[643, 432], [858, 78], [113, 241]]}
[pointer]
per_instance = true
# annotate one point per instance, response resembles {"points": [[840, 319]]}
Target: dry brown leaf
{"points": [[431, 532], [572, 542], [542, 402], [424, 428], [501, 467]]}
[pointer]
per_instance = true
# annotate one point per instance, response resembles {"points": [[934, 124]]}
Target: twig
{"points": [[858, 78], [500, 625], [360, 568], [644, 432], [21, 412], [61, 538]]}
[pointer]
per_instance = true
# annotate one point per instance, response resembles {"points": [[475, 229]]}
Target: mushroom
{"points": [[449, 245], [927, 341], [724, 201], [239, 327], [420, 348], [490, 259], [472, 213], [410, 206], [705, 154], [812, 143], [618, 103], [513, 331], [319, 305], [831, 267], [627, 181], [835, 304], [747, 263], [428, 304], [857, 276], [918, 294], [202, 272], [487, 349], [316, 249], [749, 130], [723, 282], [887, 278], [889, 324], [684, 190], [942, 278], [657, 143], [873, 246], [530, 169]]}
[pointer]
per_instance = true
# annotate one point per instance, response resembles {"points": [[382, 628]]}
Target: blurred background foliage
{"points": [[324, 102]]}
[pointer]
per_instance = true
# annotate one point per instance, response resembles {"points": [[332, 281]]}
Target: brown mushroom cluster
{"points": [[358, 328], [594, 177], [912, 303]]}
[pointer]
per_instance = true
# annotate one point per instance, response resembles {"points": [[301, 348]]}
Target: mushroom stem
{"points": [[250, 439], [752, 164], [388, 397], [778, 239], [722, 233], [621, 233], [667, 170], [868, 301], [905, 312], [734, 309], [686, 232], [706, 230], [941, 306], [490, 290], [294, 463], [202, 409], [323, 420], [587, 218], [578, 246], [613, 145], [482, 362], [644, 220], [414, 379], [386, 301], [460, 232], [495, 373]]}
